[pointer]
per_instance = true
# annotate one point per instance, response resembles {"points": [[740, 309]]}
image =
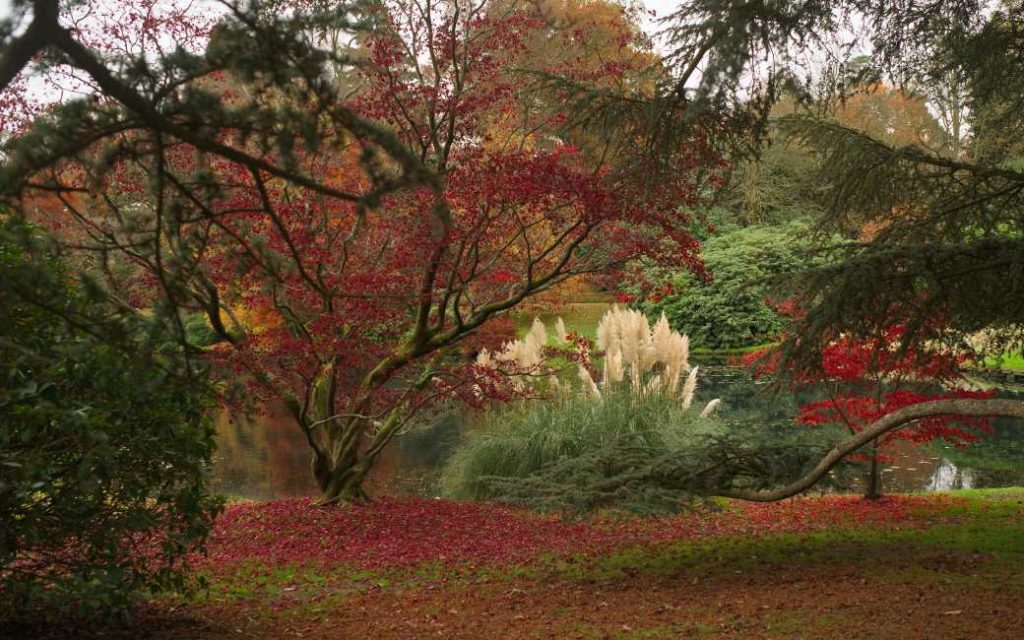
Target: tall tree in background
{"points": [[346, 212], [945, 258]]}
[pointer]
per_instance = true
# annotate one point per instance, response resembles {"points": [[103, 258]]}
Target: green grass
{"points": [[979, 497], [1007, 362], [581, 318], [524, 439], [985, 522], [968, 545]]}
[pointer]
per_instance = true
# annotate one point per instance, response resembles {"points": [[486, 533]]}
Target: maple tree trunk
{"points": [[343, 484], [342, 466], [337, 463], [874, 489], [341, 480]]}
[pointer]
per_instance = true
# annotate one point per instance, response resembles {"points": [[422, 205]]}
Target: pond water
{"points": [[265, 457]]}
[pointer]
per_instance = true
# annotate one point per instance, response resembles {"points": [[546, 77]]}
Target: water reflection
{"points": [[261, 457], [948, 476], [266, 457]]}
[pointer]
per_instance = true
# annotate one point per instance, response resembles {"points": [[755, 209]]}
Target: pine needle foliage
{"points": [[947, 260], [933, 231]]}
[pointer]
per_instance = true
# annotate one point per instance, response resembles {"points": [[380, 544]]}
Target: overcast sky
{"points": [[660, 7]]}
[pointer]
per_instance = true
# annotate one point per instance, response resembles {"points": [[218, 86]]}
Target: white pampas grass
{"points": [[653, 385], [689, 387], [539, 333], [532, 352], [636, 335], [608, 337], [526, 354], [628, 332], [613, 369], [484, 358], [710, 408], [628, 340], [560, 333], [676, 358], [662, 337], [589, 386], [623, 330]]}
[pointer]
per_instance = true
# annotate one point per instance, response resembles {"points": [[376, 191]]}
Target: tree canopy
{"points": [[944, 257], [348, 191]]}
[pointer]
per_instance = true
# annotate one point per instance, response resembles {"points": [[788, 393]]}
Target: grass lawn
{"points": [[579, 317], [1007, 362], [937, 566]]}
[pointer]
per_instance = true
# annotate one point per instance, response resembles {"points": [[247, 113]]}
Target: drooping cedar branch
{"points": [[45, 32], [895, 420]]}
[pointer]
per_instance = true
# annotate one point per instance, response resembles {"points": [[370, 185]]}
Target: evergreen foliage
{"points": [[105, 441], [942, 250], [747, 269], [774, 189]]}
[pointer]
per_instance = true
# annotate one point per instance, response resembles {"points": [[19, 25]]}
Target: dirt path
{"points": [[828, 602]]}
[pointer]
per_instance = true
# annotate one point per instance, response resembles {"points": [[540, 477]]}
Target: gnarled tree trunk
{"points": [[344, 445], [340, 480]]}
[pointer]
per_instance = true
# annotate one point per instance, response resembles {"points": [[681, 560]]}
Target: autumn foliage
{"points": [[350, 220], [403, 533], [866, 379]]}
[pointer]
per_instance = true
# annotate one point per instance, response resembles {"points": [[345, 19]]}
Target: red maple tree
{"points": [[865, 379], [434, 189]]}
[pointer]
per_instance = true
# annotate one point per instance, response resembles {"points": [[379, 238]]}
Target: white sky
{"points": [[660, 7]]}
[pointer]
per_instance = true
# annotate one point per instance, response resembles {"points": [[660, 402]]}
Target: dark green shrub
{"points": [[734, 308], [105, 438]]}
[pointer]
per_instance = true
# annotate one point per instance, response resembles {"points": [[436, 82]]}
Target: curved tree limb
{"points": [[19, 52], [891, 422]]}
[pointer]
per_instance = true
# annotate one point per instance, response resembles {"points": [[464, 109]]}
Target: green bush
{"points": [[733, 309], [521, 440], [105, 438], [639, 453]]}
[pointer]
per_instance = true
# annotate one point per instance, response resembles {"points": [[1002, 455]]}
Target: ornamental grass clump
{"points": [[637, 410], [647, 360]]}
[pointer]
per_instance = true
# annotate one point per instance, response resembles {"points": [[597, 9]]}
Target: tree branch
{"points": [[20, 51], [895, 420], [84, 59]]}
